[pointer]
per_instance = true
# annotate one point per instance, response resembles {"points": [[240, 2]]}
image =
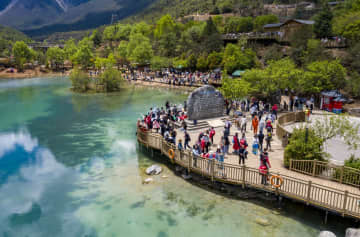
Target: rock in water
{"points": [[153, 170], [352, 232], [148, 180], [262, 221], [205, 102], [326, 234]]}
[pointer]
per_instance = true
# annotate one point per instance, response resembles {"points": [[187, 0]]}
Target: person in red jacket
{"points": [[274, 110], [236, 144], [264, 167], [211, 135]]}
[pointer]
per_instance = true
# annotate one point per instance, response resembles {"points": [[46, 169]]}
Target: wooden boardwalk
{"points": [[333, 196]]}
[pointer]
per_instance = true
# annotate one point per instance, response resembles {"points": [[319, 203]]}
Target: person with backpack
{"points": [[268, 141], [264, 167]]}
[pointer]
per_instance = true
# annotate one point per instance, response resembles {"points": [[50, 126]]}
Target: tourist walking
{"points": [[264, 167], [268, 141], [180, 146], [255, 124], [261, 125], [243, 124], [236, 144], [274, 110], [226, 145], [211, 135], [255, 146], [261, 137], [187, 139]]}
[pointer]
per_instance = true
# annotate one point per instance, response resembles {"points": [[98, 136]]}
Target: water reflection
{"points": [[27, 172]]}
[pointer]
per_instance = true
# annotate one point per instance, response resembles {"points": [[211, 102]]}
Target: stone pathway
{"points": [[275, 156]]}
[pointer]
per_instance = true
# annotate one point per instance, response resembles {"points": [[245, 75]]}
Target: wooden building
{"points": [[286, 29]]}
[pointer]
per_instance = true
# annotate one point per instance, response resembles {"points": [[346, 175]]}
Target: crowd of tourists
{"points": [[261, 119], [176, 78]]}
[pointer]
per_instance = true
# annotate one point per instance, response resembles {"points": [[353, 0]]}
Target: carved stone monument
{"points": [[205, 102]]}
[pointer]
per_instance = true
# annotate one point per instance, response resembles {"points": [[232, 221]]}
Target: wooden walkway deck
{"points": [[333, 196]]}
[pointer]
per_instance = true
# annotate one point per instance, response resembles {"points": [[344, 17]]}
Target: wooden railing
{"points": [[284, 119], [325, 170], [342, 202]]}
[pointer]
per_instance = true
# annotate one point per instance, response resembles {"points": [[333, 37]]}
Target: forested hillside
{"points": [[9, 35]]}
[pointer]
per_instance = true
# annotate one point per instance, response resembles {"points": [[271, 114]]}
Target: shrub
{"points": [[302, 148], [80, 80], [111, 79]]}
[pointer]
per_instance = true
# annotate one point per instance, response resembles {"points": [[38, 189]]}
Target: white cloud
{"points": [[9, 141]]}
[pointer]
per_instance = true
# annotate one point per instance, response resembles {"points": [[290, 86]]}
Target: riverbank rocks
{"points": [[351, 232], [205, 102], [326, 234], [153, 170]]}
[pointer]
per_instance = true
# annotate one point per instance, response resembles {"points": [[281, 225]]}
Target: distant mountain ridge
{"points": [[37, 17]]}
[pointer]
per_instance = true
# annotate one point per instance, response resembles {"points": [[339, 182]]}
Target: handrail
{"points": [[342, 202], [341, 174], [283, 119]]}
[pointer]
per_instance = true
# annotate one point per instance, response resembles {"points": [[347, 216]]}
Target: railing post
{"points": [[308, 193], [290, 164], [345, 202], [341, 174], [190, 161], [243, 176], [212, 169], [314, 168]]}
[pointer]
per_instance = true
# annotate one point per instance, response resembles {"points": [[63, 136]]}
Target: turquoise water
{"points": [[70, 166]]}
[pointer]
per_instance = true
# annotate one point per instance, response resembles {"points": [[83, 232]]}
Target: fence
{"points": [[317, 195], [341, 174], [281, 132]]}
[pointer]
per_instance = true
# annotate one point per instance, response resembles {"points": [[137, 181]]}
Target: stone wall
{"points": [[205, 102]]}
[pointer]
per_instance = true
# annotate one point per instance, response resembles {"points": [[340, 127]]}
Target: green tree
{"points": [[235, 88], [121, 53], [22, 54], [322, 26], [158, 63], [201, 64], [80, 80], [323, 75], [304, 145], [84, 56], [192, 62], [55, 56], [96, 38], [109, 34], [211, 38], [123, 32], [164, 25], [214, 60], [70, 48], [111, 79], [331, 126], [260, 21], [142, 54], [236, 58]]}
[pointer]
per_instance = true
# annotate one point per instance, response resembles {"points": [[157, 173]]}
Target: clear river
{"points": [[70, 166]]}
